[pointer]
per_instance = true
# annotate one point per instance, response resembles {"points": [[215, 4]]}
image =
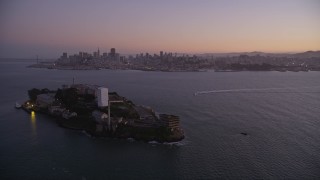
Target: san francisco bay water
{"points": [[282, 126]]}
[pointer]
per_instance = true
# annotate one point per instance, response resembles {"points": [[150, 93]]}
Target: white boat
{"points": [[18, 105]]}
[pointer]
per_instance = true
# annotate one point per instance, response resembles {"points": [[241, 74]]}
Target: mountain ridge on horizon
{"points": [[305, 54]]}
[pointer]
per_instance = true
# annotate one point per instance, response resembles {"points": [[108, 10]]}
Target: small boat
{"points": [[18, 105]]}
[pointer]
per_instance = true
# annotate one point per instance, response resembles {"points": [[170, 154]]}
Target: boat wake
{"points": [[261, 90], [180, 143]]}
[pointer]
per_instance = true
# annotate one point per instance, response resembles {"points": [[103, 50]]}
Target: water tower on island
{"points": [[103, 97]]}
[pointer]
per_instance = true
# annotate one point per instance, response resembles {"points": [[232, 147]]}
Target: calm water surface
{"points": [[283, 125]]}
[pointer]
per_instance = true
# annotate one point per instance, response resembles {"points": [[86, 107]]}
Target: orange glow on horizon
{"points": [[133, 27]]}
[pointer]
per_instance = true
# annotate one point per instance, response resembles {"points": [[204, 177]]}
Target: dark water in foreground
{"points": [[283, 127]]}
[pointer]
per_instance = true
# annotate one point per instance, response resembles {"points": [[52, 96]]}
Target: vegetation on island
{"points": [[33, 93]]}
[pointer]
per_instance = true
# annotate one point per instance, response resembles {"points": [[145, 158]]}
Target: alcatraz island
{"points": [[101, 113]]}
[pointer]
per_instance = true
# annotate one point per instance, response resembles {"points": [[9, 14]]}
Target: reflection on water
{"points": [[33, 122]]}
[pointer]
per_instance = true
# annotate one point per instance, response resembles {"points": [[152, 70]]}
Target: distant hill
{"points": [[307, 54]]}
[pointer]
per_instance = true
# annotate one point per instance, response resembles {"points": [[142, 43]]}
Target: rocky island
{"points": [[101, 113]]}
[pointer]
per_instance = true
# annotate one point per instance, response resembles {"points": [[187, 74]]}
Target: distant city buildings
{"points": [[168, 61]]}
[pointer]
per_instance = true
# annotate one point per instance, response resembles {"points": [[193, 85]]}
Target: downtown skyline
{"points": [[47, 28]]}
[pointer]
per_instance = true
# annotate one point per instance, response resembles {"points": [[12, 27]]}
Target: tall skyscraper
{"points": [[113, 52], [65, 55]]}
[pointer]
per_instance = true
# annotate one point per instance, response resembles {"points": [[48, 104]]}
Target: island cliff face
{"points": [[76, 107]]}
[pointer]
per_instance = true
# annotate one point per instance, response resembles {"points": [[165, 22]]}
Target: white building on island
{"points": [[102, 96]]}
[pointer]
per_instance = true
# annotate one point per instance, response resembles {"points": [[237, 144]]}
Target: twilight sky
{"points": [[47, 28]]}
